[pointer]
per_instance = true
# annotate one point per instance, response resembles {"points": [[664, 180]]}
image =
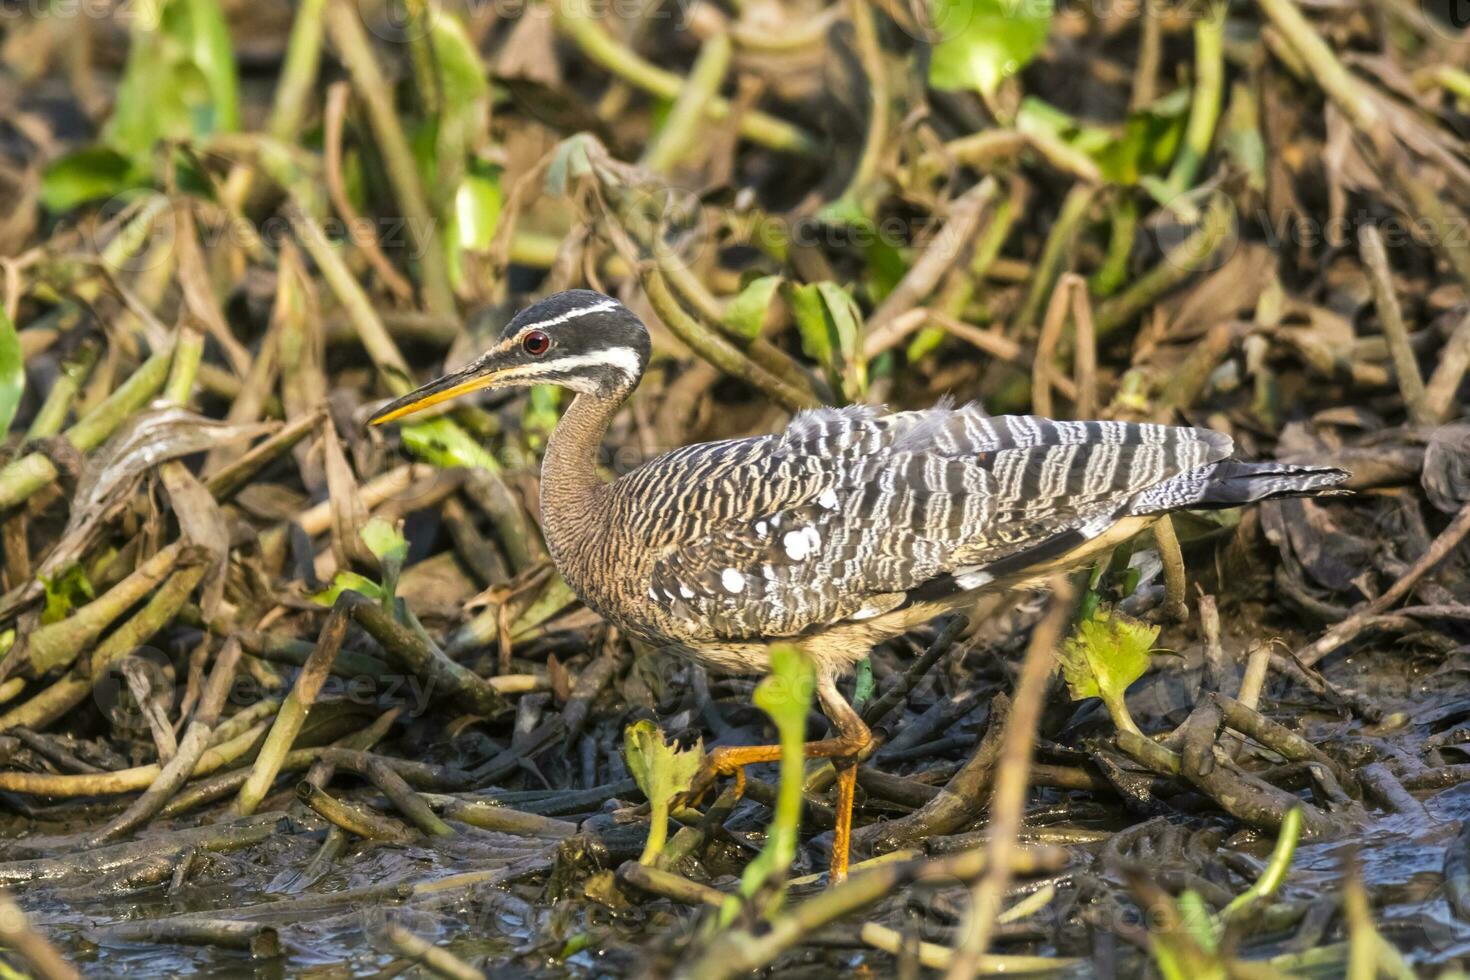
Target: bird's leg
{"points": [[731, 760], [857, 743], [853, 744]]}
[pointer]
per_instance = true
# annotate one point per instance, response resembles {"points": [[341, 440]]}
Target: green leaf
{"points": [[441, 443], [390, 548], [863, 683], [473, 217], [845, 210], [64, 592], [346, 581], [477, 207], [1142, 147], [90, 174], [179, 82], [384, 541], [12, 372], [1106, 654], [465, 190], [747, 312], [986, 41], [461, 74], [885, 265], [830, 324], [925, 342], [662, 771]]}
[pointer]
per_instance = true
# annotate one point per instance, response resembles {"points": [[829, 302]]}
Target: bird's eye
{"points": [[535, 343]]}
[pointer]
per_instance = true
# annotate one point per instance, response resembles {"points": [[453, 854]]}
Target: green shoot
{"points": [[1276, 868], [663, 772], [391, 550], [1107, 653], [1191, 948], [786, 695], [12, 372]]}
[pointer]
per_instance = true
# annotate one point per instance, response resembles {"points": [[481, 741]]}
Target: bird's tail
{"points": [[1234, 482]]}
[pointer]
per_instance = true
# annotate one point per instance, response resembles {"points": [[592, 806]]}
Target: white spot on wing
{"points": [[828, 499], [801, 543], [762, 529], [974, 580], [732, 580], [686, 592], [867, 612]]}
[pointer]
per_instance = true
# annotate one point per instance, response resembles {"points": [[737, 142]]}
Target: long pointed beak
{"points": [[462, 382]]}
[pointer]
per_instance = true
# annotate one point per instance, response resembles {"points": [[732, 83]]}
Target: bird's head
{"points": [[578, 339]]}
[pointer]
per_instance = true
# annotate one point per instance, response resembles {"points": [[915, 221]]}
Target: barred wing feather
{"points": [[849, 514]]}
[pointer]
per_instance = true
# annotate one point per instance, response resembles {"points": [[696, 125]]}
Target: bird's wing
{"points": [[848, 515]]}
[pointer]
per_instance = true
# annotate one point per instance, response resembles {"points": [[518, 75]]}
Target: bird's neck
{"points": [[572, 493]]}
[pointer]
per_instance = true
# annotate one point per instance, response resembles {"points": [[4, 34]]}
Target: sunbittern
{"points": [[849, 528]]}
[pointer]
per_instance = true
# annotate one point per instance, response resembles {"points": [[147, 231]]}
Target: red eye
{"points": [[535, 343]]}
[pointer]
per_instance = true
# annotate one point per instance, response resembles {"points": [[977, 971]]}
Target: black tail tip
{"points": [[1242, 482]]}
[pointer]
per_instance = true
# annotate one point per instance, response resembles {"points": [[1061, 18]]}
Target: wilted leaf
{"points": [[146, 440], [662, 771], [572, 161], [748, 310], [12, 373], [986, 41], [348, 512], [203, 523], [1446, 474], [1106, 654]]}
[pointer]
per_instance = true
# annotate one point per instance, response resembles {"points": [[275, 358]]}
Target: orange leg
{"points": [[842, 835], [853, 744], [860, 744]]}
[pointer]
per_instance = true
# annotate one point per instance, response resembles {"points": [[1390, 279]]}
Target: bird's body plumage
{"points": [[852, 526], [849, 527]]}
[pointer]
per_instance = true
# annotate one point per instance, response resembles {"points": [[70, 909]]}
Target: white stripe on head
{"points": [[600, 307], [621, 359]]}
